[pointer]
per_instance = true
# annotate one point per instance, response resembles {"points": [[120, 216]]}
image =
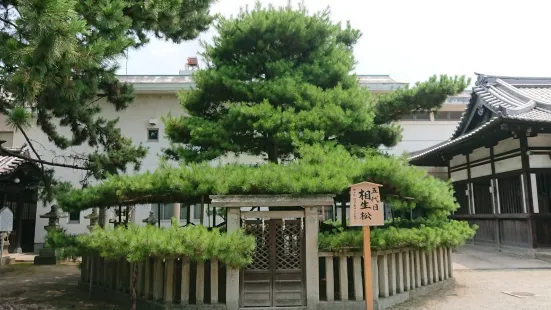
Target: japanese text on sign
{"points": [[366, 208]]}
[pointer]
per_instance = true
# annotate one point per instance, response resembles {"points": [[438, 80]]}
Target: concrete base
{"points": [[6, 260], [46, 257], [101, 292], [507, 249], [544, 256], [385, 303]]}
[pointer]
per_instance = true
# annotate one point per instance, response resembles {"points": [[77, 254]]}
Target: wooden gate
{"points": [[276, 276]]}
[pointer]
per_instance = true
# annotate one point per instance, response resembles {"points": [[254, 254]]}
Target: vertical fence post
{"points": [[329, 278], [184, 291], [214, 281]]}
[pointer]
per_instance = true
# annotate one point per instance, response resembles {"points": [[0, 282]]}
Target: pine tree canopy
{"points": [[59, 57], [277, 78]]}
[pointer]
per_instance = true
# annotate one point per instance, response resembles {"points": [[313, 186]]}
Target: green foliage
{"points": [[277, 78], [329, 169], [136, 243], [58, 58], [423, 233], [66, 245]]}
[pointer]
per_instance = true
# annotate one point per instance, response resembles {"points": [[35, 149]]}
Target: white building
{"points": [[156, 96]]}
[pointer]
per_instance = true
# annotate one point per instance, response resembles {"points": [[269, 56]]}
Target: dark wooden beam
{"points": [[525, 159]]}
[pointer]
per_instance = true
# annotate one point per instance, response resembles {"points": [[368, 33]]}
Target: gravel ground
{"points": [[25, 286], [483, 289]]}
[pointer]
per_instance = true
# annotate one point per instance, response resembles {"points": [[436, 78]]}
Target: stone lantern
{"points": [[93, 217], [151, 219], [46, 255], [53, 218]]}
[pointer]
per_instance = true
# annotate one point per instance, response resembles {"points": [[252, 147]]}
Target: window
{"points": [[153, 134], [510, 195], [166, 211], [74, 217], [325, 213]]}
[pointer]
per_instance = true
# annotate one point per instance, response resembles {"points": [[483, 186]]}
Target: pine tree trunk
{"points": [[133, 297], [101, 219]]}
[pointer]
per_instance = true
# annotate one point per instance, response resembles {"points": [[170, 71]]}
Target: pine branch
{"points": [[9, 23]]}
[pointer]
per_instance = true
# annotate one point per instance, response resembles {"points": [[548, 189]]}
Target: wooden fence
{"points": [[162, 281], [169, 282], [394, 272]]}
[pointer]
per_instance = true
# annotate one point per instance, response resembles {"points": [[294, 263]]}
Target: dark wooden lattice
{"points": [[288, 245], [261, 257]]}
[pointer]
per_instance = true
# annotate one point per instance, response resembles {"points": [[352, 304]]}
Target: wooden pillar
{"points": [[358, 286], [158, 277], [169, 281], [232, 274], [330, 279], [147, 281], [375, 276], [400, 287], [176, 211], [407, 271], [184, 291], [343, 278], [311, 247], [392, 273], [214, 281], [527, 186], [423, 275], [141, 277], [450, 265], [200, 283], [382, 262]]}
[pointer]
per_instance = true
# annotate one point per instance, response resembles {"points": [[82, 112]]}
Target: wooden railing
{"points": [[394, 272], [163, 281]]}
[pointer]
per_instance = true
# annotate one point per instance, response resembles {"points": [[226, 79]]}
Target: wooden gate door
{"points": [[276, 276]]}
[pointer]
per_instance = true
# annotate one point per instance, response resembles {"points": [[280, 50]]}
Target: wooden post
{"points": [[367, 268]]}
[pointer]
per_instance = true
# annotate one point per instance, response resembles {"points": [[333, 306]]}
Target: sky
{"points": [[408, 40]]}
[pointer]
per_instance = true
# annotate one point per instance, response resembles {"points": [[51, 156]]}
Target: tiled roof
{"points": [[515, 98], [9, 163]]}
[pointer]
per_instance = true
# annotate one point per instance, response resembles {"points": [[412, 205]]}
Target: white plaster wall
{"points": [[506, 145], [134, 123], [458, 160], [459, 175], [541, 140], [509, 164], [419, 135], [479, 153], [540, 161], [480, 171]]}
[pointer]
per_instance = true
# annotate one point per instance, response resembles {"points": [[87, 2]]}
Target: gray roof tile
{"points": [[526, 99], [9, 163]]}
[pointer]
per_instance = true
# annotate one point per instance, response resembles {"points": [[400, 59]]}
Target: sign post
{"points": [[366, 209], [6, 227]]}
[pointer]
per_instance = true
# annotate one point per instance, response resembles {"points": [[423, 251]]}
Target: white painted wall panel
{"points": [[541, 140], [458, 160], [506, 145], [479, 153], [480, 171], [459, 175], [540, 161], [509, 164]]}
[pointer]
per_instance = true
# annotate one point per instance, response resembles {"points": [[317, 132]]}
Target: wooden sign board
{"points": [[366, 207], [6, 220]]}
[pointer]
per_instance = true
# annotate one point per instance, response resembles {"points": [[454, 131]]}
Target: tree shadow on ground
{"points": [[26, 286]]}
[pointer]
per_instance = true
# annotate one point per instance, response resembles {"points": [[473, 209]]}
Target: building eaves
{"points": [[9, 164]]}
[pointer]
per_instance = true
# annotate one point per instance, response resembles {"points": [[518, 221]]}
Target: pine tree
{"points": [[58, 58], [277, 78]]}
